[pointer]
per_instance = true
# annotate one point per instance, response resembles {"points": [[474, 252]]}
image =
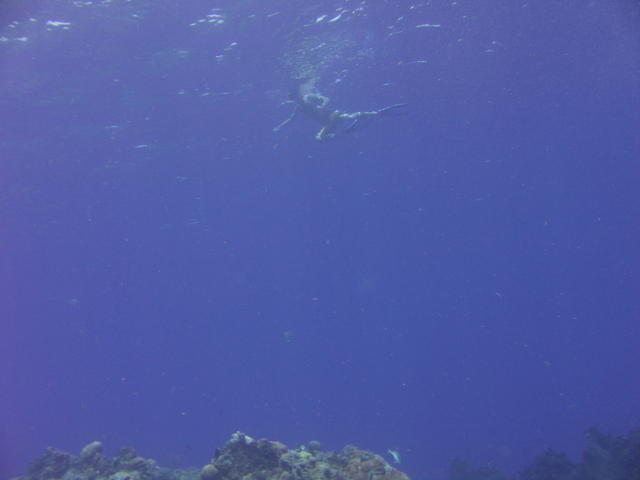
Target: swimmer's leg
{"points": [[357, 120], [361, 119]]}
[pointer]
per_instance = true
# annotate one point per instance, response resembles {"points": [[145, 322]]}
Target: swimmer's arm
{"points": [[288, 120], [395, 109], [357, 115], [390, 110]]}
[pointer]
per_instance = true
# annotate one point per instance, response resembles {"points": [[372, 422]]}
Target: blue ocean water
{"points": [[461, 281]]}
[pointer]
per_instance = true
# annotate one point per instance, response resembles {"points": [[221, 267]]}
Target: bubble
{"points": [[327, 51]]}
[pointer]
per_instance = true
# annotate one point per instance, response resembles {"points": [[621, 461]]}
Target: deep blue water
{"points": [[461, 281]]}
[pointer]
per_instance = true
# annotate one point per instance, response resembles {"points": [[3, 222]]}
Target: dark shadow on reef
{"points": [[244, 458], [604, 458]]}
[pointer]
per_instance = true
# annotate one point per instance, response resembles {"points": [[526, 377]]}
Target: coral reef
{"points": [[550, 465], [91, 464], [605, 458], [610, 458], [244, 458], [241, 458]]}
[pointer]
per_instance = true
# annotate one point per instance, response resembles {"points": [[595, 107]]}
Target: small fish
{"points": [[395, 455]]}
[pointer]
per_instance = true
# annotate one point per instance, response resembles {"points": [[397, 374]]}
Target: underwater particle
{"points": [[57, 23], [214, 17], [287, 336], [336, 18], [73, 301]]}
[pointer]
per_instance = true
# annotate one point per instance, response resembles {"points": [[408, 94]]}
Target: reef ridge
{"points": [[241, 458]]}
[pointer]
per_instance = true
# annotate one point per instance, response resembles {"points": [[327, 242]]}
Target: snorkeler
{"points": [[316, 106]]}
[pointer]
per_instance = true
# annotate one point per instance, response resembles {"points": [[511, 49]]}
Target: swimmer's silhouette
{"points": [[316, 106]]}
